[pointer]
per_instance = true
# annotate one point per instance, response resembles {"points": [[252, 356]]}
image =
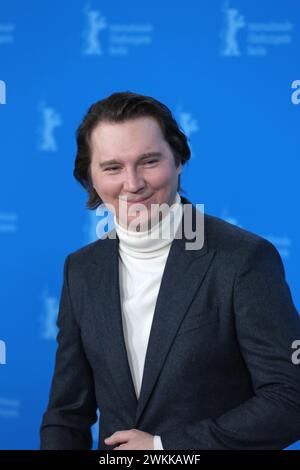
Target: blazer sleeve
{"points": [[267, 323], [72, 405]]}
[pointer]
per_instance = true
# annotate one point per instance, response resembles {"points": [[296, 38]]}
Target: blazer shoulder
{"points": [[89, 253], [227, 237]]}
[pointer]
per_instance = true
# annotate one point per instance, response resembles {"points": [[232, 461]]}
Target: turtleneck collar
{"points": [[153, 242]]}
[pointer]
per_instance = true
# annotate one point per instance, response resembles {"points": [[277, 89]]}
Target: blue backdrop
{"points": [[230, 73]]}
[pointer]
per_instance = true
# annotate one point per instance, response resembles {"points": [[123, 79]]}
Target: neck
{"points": [[152, 242]]}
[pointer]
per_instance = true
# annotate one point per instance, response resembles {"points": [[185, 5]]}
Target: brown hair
{"points": [[120, 107]]}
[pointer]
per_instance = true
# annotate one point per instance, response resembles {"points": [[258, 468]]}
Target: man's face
{"points": [[133, 160]]}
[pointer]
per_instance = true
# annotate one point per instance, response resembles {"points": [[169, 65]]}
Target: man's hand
{"points": [[131, 439]]}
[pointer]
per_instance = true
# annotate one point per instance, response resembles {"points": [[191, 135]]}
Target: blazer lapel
{"points": [[108, 324], [183, 275]]}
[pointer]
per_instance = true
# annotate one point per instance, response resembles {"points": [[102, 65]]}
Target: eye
{"points": [[114, 168], [150, 162]]}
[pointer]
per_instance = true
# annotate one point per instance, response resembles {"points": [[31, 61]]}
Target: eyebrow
{"points": [[144, 156]]}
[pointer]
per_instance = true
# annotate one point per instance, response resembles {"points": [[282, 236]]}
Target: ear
{"points": [[179, 169]]}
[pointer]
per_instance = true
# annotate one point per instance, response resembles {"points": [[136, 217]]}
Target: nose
{"points": [[133, 182]]}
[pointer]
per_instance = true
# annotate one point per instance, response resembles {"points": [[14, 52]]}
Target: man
{"points": [[178, 348]]}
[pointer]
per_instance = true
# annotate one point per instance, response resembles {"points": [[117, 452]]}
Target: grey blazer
{"points": [[218, 371]]}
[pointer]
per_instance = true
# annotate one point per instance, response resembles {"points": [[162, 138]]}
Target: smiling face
{"points": [[133, 161]]}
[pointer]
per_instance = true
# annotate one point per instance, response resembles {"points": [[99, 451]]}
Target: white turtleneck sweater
{"points": [[142, 258]]}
